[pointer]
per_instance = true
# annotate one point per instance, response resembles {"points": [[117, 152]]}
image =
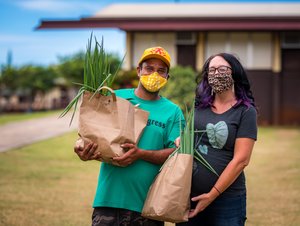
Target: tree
{"points": [[26, 81], [72, 67], [181, 86]]}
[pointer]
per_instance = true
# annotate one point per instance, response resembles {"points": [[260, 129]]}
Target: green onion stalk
{"points": [[187, 145], [97, 73], [202, 160]]}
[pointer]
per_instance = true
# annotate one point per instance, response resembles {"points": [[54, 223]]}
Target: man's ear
{"points": [[138, 71]]}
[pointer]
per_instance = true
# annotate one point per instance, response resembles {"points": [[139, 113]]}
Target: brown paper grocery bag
{"points": [[109, 121], [168, 198]]}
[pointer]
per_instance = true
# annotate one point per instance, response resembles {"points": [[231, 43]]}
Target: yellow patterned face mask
{"points": [[153, 82]]}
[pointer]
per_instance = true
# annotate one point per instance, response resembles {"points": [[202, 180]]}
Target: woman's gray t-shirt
{"points": [[215, 142]]}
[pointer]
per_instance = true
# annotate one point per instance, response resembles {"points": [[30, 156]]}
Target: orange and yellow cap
{"points": [[156, 52]]}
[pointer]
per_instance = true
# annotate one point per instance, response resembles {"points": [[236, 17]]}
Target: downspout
{"points": [[276, 69], [200, 51], [127, 65]]}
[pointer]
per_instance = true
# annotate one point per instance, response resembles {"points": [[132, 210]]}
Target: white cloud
{"points": [[58, 5]]}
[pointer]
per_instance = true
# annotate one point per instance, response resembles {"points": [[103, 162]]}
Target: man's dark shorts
{"points": [[106, 216]]}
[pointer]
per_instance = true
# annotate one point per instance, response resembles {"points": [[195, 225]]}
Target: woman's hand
{"points": [[203, 201]]}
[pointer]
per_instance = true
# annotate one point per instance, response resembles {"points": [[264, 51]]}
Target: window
{"points": [[291, 40], [254, 49], [186, 38]]}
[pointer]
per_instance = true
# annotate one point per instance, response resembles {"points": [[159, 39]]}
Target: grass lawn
{"points": [[46, 184], [274, 179]]}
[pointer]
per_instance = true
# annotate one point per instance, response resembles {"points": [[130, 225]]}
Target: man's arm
{"points": [[134, 153], [154, 156]]}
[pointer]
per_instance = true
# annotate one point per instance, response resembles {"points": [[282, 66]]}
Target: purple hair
{"points": [[242, 89]]}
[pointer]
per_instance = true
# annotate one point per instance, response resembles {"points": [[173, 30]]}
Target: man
{"points": [[122, 189]]}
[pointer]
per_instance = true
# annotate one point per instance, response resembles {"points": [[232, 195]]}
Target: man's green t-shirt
{"points": [[127, 187]]}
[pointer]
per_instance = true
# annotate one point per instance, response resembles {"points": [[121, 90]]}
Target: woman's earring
{"points": [[212, 92], [232, 88]]}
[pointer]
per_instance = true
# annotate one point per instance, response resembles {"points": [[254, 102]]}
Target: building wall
{"points": [[141, 41], [253, 49], [271, 65], [289, 83]]}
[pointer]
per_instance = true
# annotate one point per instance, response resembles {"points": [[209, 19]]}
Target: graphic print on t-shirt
{"points": [[217, 136]]}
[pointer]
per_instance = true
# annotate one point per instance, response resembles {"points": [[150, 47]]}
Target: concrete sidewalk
{"points": [[18, 134]]}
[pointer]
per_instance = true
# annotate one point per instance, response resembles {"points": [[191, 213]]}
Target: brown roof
{"points": [[168, 24], [192, 17]]}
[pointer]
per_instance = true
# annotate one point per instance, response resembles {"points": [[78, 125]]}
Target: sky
{"points": [[26, 45], [19, 18]]}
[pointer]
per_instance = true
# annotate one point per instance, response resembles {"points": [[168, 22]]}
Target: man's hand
{"points": [[88, 153], [177, 142], [131, 155]]}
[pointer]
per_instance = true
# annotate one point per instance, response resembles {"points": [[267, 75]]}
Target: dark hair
{"points": [[242, 89]]}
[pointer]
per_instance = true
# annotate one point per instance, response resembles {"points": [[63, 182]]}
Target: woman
{"points": [[225, 133]]}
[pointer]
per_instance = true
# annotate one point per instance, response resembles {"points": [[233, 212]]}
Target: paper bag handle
{"points": [[110, 90]]}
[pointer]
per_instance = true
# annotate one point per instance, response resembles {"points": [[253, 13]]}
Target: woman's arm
{"points": [[241, 158], [242, 154]]}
